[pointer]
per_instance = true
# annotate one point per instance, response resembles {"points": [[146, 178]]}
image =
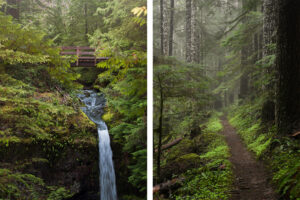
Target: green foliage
{"points": [[213, 125], [205, 185], [59, 194], [139, 174], [18, 185], [260, 145], [15, 185], [182, 88], [122, 30], [287, 174], [24, 45]]}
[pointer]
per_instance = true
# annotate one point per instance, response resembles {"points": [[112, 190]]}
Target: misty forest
{"points": [[226, 99], [73, 99]]}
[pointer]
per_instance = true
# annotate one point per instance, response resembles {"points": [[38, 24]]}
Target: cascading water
{"points": [[94, 110]]}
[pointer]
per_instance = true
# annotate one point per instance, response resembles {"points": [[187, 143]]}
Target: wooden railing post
{"points": [[95, 56], [78, 54]]}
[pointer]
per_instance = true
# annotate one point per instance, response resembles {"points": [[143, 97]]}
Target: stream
{"points": [[94, 110]]}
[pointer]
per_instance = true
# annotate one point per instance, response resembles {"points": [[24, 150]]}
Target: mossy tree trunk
{"points": [[288, 67], [269, 38]]}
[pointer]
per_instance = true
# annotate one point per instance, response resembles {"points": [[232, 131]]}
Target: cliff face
{"points": [[48, 147]]}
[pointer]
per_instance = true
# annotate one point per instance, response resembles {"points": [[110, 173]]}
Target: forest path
{"points": [[251, 179]]}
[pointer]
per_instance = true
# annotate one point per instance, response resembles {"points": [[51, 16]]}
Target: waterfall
{"points": [[94, 110]]}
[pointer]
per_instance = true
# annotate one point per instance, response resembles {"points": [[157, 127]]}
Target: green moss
{"points": [[188, 160], [186, 146], [108, 116]]}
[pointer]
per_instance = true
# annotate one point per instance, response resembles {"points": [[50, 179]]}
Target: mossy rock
{"points": [[187, 161], [184, 147]]}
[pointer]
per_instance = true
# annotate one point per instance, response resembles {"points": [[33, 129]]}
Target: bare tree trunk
{"points": [[188, 30], [194, 32], [165, 29], [161, 27], [171, 28], [288, 67], [169, 145]]}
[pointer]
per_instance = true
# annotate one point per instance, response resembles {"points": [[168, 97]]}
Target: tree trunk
{"points": [[269, 38], [169, 145], [188, 30], [171, 28], [288, 67], [166, 184], [194, 33], [244, 86], [269, 26], [160, 130], [161, 27]]}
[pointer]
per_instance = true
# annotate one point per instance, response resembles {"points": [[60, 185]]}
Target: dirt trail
{"points": [[251, 179]]}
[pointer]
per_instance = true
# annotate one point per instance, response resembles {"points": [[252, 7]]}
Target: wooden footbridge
{"points": [[86, 56]]}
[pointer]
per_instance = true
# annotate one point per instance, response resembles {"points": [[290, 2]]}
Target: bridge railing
{"points": [[80, 52]]}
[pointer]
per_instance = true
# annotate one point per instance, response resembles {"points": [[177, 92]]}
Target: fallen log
{"points": [[169, 145], [166, 184]]}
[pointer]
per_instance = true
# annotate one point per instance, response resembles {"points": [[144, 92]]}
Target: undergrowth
{"points": [[282, 153], [38, 124], [27, 113], [213, 179], [20, 186]]}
